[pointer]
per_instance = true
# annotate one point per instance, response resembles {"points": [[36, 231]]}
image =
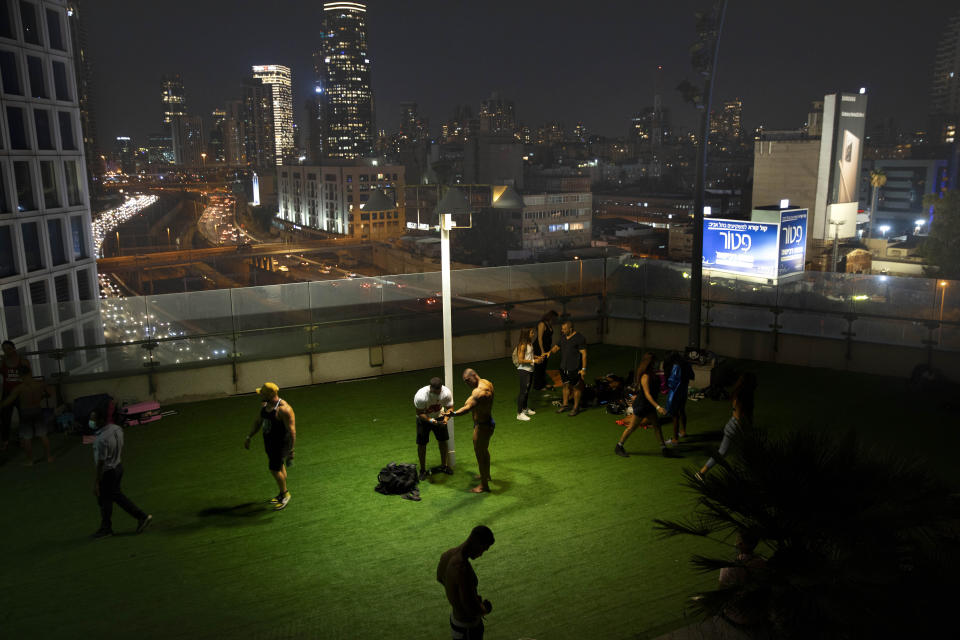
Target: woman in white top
{"points": [[524, 360]]}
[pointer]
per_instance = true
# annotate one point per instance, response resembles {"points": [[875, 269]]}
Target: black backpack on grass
{"points": [[397, 478]]}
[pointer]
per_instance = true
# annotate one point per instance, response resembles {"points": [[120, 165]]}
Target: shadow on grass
{"points": [[244, 510]]}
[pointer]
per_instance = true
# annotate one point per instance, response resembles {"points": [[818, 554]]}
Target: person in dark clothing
{"points": [[107, 452], [573, 366], [742, 402], [460, 585], [646, 411], [279, 436], [679, 373], [542, 345], [14, 369]]}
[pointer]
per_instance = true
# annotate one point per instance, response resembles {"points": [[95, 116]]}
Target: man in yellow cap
{"points": [[279, 435]]}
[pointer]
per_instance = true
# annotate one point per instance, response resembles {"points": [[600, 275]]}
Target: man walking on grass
{"points": [[107, 452], [276, 419]]}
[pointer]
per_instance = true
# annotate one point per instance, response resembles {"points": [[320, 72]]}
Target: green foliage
{"points": [[857, 545], [942, 247]]}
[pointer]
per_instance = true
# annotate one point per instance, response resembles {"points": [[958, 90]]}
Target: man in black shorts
{"points": [[279, 435], [573, 366], [429, 403]]}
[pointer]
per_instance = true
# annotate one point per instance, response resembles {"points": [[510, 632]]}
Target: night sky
{"points": [[592, 61]]}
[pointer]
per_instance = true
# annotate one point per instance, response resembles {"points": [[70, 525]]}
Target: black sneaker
{"points": [[447, 470], [101, 533], [143, 523], [423, 475], [620, 451]]}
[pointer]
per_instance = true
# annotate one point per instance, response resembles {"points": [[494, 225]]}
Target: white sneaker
{"points": [[523, 416], [530, 412]]}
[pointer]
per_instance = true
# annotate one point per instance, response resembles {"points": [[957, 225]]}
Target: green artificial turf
{"points": [[576, 555]]}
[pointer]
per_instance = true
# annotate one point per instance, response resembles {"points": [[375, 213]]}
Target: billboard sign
{"points": [[741, 247], [849, 136], [793, 241]]}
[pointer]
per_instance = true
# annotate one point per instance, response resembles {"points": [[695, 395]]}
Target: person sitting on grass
{"points": [[742, 400], [646, 411]]}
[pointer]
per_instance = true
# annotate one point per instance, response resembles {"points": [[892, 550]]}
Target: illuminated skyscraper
{"points": [[343, 75], [277, 77], [172, 98]]}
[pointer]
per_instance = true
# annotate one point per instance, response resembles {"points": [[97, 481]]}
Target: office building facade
{"points": [[329, 197], [48, 277], [277, 78], [256, 111], [945, 87], [343, 82]]}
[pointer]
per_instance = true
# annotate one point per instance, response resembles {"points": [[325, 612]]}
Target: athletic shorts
{"points": [[32, 424], [460, 631], [572, 377], [278, 448], [491, 425], [439, 429], [642, 407]]}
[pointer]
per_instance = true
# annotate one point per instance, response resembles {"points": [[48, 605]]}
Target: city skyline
{"points": [[439, 62]]}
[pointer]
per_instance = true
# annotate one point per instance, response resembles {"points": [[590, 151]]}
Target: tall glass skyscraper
{"points": [[343, 75], [48, 270], [277, 77]]}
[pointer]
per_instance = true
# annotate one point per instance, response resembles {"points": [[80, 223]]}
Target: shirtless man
{"points": [[30, 394], [479, 403], [459, 582]]}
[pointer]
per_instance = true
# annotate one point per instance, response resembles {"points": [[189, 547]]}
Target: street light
{"points": [[918, 224], [884, 228], [943, 295]]}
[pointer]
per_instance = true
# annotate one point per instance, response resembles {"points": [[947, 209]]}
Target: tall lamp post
{"points": [[453, 203]]}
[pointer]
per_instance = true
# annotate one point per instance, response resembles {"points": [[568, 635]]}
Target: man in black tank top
{"points": [[276, 419]]}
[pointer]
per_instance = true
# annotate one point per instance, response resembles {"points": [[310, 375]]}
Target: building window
{"points": [[4, 202], [30, 233], [51, 187], [23, 175], [74, 192], [66, 309], [31, 26], [18, 128], [40, 303], [55, 30], [58, 254], [41, 121], [61, 86], [13, 312], [8, 259], [6, 22], [78, 239], [10, 72], [38, 83], [85, 291], [67, 141]]}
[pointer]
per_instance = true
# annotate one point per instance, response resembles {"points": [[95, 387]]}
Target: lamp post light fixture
{"points": [[884, 228], [918, 225]]}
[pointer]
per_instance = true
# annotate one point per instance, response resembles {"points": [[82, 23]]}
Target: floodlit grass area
{"points": [[576, 554]]}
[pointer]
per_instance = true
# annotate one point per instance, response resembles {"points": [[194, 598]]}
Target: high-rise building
{"points": [[343, 75], [277, 77], [187, 136], [497, 116], [256, 111], [48, 273], [124, 155], [84, 84], [945, 89], [461, 127], [215, 144], [412, 127], [725, 123], [173, 100]]}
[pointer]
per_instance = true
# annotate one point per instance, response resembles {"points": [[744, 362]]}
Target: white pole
{"points": [[446, 300]]}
